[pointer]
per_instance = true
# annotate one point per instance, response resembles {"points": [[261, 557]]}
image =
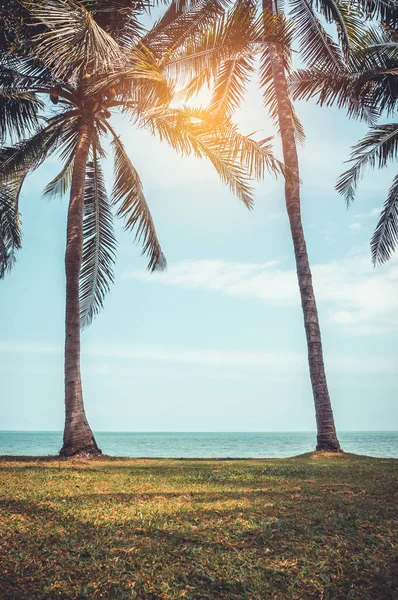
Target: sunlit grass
{"points": [[312, 527]]}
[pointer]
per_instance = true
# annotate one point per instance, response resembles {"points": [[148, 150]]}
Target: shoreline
{"points": [[106, 457]]}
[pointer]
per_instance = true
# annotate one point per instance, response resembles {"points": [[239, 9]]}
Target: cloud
{"points": [[273, 361], [358, 297], [374, 212], [355, 226]]}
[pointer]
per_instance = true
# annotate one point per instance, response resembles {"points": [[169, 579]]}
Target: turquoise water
{"points": [[201, 445]]}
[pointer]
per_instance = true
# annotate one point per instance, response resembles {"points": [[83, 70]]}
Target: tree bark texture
{"points": [[78, 437], [326, 432]]}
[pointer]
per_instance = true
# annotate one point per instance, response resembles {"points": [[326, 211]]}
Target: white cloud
{"points": [[30, 347], [273, 361], [374, 212], [258, 280], [355, 226], [359, 297]]}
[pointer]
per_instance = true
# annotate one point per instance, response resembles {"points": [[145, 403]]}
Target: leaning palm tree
{"points": [[316, 46], [80, 68], [367, 88], [272, 35], [229, 68], [318, 49]]}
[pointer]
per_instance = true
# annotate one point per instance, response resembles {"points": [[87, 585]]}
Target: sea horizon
{"points": [[202, 431], [201, 444]]}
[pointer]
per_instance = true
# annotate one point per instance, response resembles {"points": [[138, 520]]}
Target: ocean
{"points": [[202, 445]]}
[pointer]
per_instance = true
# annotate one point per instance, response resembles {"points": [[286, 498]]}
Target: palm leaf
{"points": [[385, 10], [28, 154], [317, 48], [349, 23], [72, 44], [18, 112], [230, 85], [59, 186], [352, 90], [205, 52], [174, 10], [10, 232], [119, 18], [99, 245], [385, 237], [256, 156], [61, 183], [132, 206], [378, 147], [140, 81], [178, 27], [194, 131]]}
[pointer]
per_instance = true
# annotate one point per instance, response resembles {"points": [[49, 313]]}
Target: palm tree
{"points": [[271, 36], [86, 74], [367, 88], [316, 45]]}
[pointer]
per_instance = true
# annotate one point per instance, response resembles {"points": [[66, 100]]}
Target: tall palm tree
{"points": [[315, 45], [230, 68], [272, 35], [86, 74], [367, 88], [281, 25]]}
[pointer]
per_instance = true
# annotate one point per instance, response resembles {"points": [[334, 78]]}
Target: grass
{"points": [[318, 526]]}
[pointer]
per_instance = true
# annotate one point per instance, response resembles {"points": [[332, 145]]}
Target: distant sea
{"points": [[202, 445]]}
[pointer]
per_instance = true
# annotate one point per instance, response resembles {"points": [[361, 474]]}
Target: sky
{"points": [[216, 343]]}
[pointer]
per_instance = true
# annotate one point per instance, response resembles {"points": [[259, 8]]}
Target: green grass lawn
{"points": [[318, 526]]}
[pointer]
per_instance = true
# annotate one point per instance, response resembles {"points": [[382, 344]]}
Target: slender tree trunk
{"points": [[78, 437], [326, 437]]}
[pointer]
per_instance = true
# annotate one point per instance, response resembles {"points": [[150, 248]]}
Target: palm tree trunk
{"points": [[78, 437], [326, 432]]}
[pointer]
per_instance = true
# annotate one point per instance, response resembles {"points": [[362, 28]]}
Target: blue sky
{"points": [[217, 342]]}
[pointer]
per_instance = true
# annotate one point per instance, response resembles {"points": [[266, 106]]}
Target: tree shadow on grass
{"points": [[62, 556], [54, 553]]}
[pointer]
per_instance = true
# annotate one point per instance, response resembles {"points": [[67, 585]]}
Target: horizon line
{"points": [[212, 431]]}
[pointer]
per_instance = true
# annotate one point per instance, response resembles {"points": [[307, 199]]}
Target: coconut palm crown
{"points": [[367, 88], [58, 95]]}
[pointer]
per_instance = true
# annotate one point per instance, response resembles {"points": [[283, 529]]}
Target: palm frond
{"points": [[385, 10], [18, 112], [256, 156], [10, 231], [99, 245], [179, 27], [234, 74], [230, 84], [349, 23], [140, 81], [119, 18], [72, 44], [345, 89], [28, 154], [174, 10], [378, 147], [132, 207], [317, 48], [205, 52], [193, 131], [59, 186], [62, 182], [385, 237]]}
